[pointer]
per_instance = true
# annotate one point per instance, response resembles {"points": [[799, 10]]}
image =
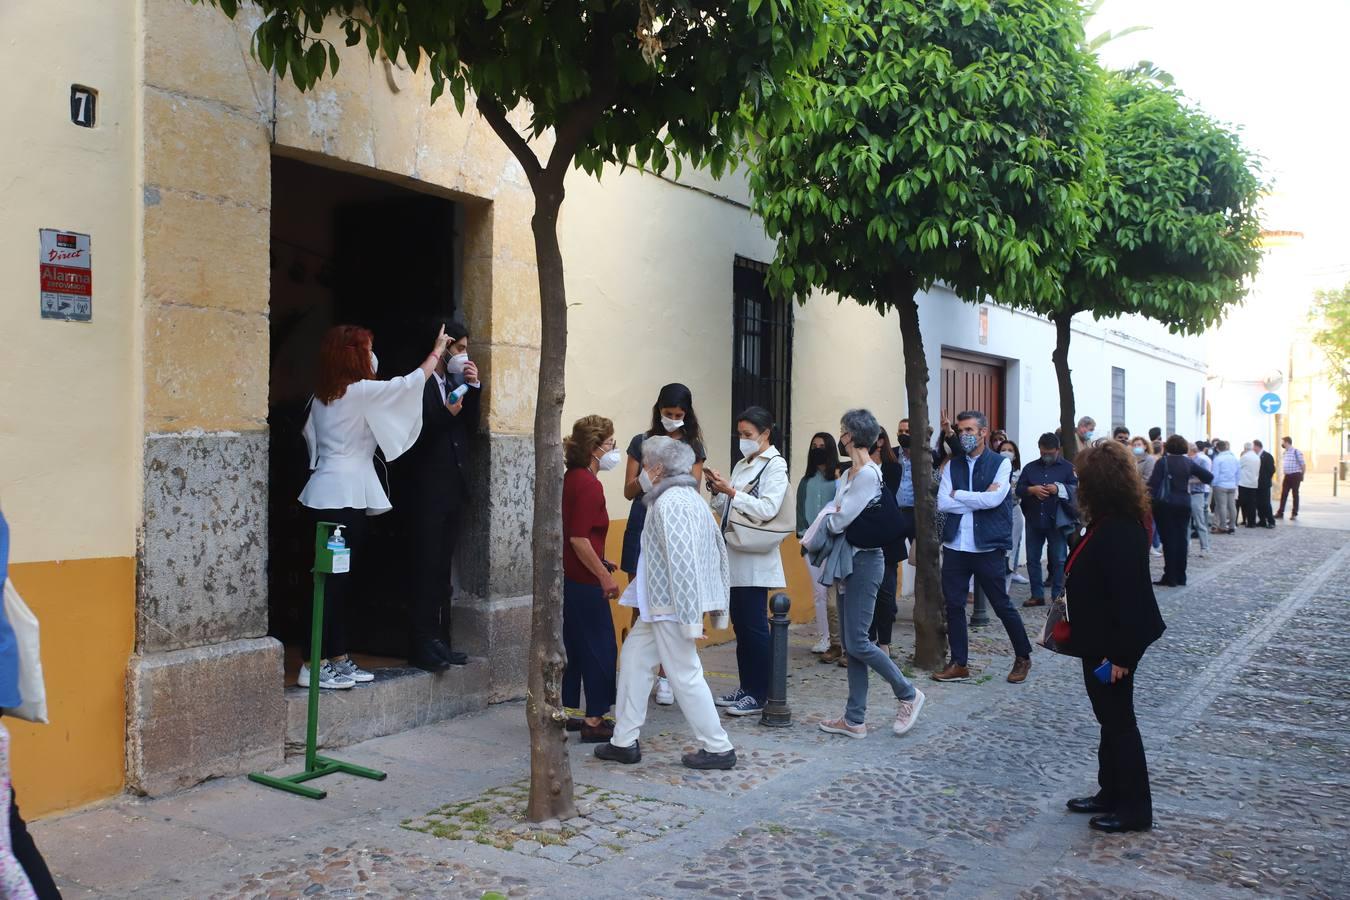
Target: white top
{"points": [[1249, 469], [342, 437], [756, 569], [635, 596], [966, 502], [852, 495]]}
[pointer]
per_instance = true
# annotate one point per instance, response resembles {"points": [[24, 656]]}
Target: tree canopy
{"points": [[1331, 313], [1177, 232], [946, 141]]}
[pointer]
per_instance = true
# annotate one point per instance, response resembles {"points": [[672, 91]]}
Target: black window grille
{"points": [[761, 370], [1117, 397], [1171, 408]]}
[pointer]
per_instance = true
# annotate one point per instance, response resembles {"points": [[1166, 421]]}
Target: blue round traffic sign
{"points": [[1270, 403]]}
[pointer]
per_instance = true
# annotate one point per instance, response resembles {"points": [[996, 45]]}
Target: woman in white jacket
{"points": [[681, 577], [758, 487], [351, 415]]}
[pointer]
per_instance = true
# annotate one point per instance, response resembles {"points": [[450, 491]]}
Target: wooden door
{"points": [[973, 383]]}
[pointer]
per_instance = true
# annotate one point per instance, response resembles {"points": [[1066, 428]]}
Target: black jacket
{"points": [[1113, 613], [1183, 468], [437, 466], [1266, 477]]}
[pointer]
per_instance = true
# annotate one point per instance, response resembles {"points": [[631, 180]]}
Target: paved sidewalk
{"points": [[1244, 706]]}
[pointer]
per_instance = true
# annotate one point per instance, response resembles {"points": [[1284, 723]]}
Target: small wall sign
{"points": [[65, 275], [83, 105]]}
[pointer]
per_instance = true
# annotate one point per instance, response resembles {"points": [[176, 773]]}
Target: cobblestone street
{"points": [[1244, 707]]}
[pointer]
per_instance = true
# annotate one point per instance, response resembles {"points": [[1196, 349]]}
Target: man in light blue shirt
{"points": [[977, 536], [1225, 487]]}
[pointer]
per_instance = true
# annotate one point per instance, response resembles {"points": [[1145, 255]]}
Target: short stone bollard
{"points": [[979, 615], [776, 713]]}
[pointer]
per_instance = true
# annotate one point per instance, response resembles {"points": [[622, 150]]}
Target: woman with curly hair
{"points": [[1113, 617]]}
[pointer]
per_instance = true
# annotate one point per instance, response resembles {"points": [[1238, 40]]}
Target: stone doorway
{"points": [[347, 249]]}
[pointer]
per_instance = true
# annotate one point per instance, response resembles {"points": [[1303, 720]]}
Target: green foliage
{"points": [[1332, 314], [620, 81], [1177, 234], [946, 141]]}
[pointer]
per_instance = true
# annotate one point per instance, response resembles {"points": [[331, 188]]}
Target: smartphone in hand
{"points": [[1103, 672]]}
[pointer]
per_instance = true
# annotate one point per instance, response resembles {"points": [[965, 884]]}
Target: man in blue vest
{"points": [[976, 540]]}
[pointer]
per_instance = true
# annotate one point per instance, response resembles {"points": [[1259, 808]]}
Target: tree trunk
{"points": [[1068, 428], [930, 632], [550, 772]]}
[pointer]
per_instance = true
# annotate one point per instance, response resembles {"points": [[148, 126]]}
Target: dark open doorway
{"points": [[346, 249]]}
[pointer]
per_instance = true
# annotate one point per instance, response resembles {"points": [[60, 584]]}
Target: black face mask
{"points": [[903, 441], [843, 451], [820, 456]]}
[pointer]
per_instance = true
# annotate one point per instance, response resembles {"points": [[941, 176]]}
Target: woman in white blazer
{"points": [[350, 416], [758, 487]]}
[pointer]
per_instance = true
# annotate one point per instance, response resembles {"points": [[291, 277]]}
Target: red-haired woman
{"points": [[352, 414]]}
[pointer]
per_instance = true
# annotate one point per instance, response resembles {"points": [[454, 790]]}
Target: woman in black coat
{"points": [[1113, 618], [1168, 488]]}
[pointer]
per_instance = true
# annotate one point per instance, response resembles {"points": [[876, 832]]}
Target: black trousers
{"points": [[883, 617], [28, 855], [592, 654], [436, 527], [1247, 506], [1174, 527], [338, 589], [1122, 769], [1265, 515]]}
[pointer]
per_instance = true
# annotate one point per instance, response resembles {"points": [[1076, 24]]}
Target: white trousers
{"points": [[651, 645]]}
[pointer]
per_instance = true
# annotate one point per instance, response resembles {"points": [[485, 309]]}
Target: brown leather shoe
{"points": [[953, 672], [1033, 601], [1021, 666], [833, 654]]}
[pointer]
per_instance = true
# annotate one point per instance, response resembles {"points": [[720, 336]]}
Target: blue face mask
{"points": [[1138, 451], [969, 442]]}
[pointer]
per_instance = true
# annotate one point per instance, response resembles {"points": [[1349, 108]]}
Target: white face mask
{"points": [[645, 481], [455, 364], [749, 447], [670, 424], [1009, 454], [374, 362], [610, 460]]}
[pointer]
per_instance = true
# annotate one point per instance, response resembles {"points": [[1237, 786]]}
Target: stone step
{"points": [[400, 698]]}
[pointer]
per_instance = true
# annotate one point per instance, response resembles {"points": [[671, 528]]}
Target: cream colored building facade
{"points": [[136, 456]]}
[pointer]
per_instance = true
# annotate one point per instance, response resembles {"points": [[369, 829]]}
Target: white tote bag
{"points": [[31, 686]]}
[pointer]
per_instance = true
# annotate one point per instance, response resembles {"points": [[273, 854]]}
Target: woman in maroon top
{"points": [[588, 582]]}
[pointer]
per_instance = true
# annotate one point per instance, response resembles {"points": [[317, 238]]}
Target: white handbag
{"points": [[32, 688], [750, 535]]}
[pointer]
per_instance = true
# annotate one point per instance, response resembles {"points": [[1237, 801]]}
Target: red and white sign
{"points": [[65, 275]]}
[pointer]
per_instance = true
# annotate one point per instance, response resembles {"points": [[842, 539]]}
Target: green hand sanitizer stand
{"points": [[327, 561]]}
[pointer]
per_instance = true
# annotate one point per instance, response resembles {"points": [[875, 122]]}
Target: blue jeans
{"points": [[750, 621], [989, 570], [1057, 549], [592, 655], [857, 601]]}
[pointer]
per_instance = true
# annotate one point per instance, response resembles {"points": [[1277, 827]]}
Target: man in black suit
{"points": [[437, 474], [1265, 516]]}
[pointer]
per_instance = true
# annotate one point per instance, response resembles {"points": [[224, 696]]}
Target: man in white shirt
{"points": [[1249, 476], [976, 538]]}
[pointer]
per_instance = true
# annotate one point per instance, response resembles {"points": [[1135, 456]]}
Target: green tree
{"points": [[1331, 312], [947, 141], [1176, 236], [625, 82]]}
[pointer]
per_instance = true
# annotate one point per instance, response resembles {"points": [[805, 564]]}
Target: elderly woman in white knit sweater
{"points": [[682, 575]]}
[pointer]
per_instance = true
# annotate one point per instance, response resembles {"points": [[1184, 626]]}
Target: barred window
{"points": [[761, 371]]}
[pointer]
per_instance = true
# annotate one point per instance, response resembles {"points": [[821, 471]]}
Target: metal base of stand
{"points": [[324, 766]]}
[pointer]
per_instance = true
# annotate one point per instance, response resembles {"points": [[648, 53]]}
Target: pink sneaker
{"points": [[841, 726], [909, 713]]}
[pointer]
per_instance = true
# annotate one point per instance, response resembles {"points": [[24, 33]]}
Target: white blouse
{"points": [[342, 437]]}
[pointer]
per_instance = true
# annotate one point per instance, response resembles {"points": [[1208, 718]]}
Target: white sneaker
{"points": [[664, 695], [1018, 578], [349, 668], [821, 645], [329, 678], [1156, 551], [909, 713]]}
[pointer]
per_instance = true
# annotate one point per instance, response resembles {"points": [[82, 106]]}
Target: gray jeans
{"points": [[857, 602], [1200, 519], [1225, 508]]}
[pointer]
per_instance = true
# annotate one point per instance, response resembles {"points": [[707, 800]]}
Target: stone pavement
{"points": [[1244, 706]]}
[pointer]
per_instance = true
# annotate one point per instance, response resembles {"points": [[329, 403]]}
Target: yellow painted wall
{"points": [[70, 393], [87, 610]]}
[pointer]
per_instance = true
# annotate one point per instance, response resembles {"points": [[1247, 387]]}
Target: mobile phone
{"points": [[1103, 672]]}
